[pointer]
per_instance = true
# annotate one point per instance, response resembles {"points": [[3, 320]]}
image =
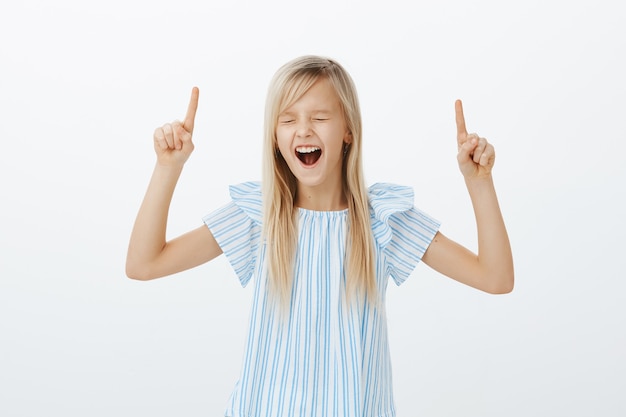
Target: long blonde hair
{"points": [[280, 229]]}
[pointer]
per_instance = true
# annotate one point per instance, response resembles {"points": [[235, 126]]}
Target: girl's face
{"points": [[311, 135]]}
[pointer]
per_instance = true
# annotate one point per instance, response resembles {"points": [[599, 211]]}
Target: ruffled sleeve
{"points": [[401, 231], [237, 228]]}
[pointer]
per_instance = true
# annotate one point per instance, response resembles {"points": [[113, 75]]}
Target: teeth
{"points": [[307, 149]]}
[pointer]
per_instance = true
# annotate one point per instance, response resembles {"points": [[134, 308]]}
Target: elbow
{"points": [[501, 290], [137, 273], [502, 284]]}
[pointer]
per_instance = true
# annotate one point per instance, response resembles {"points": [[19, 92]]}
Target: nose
{"points": [[303, 127]]}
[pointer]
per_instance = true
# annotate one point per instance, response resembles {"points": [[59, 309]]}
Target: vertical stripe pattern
{"points": [[322, 357]]}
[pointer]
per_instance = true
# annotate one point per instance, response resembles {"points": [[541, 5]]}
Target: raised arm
{"points": [[149, 255], [490, 270]]}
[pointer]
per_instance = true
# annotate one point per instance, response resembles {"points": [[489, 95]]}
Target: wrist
{"points": [[483, 181], [168, 170], [169, 166]]}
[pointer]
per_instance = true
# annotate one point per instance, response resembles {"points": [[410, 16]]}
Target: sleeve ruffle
{"points": [[402, 232], [247, 196], [385, 201], [237, 228]]}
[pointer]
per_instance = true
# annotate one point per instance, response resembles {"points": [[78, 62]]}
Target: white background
{"points": [[83, 85]]}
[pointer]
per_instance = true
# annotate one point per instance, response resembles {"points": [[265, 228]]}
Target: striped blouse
{"points": [[324, 356]]}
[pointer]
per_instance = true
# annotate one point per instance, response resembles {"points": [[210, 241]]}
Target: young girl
{"points": [[318, 245]]}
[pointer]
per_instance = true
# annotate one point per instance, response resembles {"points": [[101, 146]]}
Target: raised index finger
{"points": [[191, 110], [460, 119]]}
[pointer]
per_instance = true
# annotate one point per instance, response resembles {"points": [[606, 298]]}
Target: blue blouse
{"points": [[325, 356]]}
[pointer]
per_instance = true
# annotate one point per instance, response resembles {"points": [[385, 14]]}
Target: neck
{"points": [[321, 198]]}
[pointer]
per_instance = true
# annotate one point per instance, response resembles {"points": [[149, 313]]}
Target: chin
{"points": [[309, 181]]}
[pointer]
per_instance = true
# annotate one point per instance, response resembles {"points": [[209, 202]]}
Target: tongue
{"points": [[310, 158]]}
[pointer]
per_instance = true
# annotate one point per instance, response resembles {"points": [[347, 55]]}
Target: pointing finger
{"points": [[191, 110], [460, 119]]}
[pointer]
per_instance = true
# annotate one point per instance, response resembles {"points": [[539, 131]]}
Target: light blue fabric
{"points": [[325, 356]]}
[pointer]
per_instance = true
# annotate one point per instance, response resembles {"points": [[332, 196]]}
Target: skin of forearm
{"points": [[149, 232], [494, 250]]}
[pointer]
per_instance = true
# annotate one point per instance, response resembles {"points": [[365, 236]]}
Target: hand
{"points": [[172, 141], [476, 156]]}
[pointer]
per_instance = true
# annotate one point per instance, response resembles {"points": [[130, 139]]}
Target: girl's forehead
{"points": [[321, 96]]}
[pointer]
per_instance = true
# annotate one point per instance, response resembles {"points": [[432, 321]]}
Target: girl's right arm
{"points": [[149, 255]]}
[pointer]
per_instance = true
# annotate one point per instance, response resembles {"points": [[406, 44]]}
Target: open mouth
{"points": [[309, 155]]}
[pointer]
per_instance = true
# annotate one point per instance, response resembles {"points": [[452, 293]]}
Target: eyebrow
{"points": [[318, 111]]}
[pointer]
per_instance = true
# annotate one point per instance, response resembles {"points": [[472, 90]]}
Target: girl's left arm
{"points": [[491, 270]]}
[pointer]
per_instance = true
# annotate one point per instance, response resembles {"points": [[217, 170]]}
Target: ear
{"points": [[347, 138]]}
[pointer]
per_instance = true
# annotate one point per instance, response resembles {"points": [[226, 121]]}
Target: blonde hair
{"points": [[280, 230]]}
